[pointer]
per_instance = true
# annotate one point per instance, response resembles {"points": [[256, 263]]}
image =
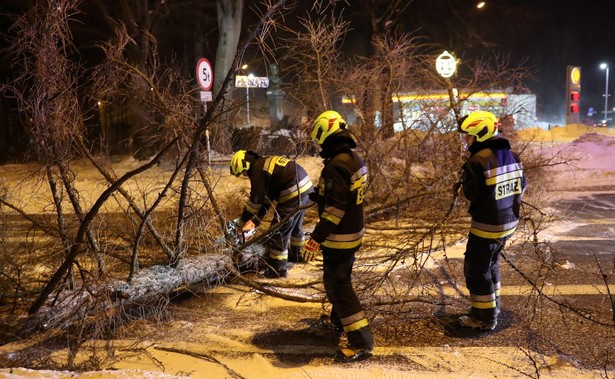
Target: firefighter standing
{"points": [[281, 180], [340, 229], [493, 183]]}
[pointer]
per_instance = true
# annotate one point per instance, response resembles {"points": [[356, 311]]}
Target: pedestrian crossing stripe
{"points": [[515, 290]]}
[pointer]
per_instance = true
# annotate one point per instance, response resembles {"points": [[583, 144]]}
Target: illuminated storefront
{"points": [[424, 111]]}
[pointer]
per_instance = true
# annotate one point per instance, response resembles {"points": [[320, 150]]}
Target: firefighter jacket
{"points": [[272, 179], [340, 195], [493, 183]]}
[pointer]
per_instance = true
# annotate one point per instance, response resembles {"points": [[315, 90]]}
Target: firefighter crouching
{"points": [[281, 180], [339, 232], [493, 183]]}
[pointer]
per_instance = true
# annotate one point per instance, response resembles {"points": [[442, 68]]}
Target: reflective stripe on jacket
{"points": [[494, 183], [276, 179], [340, 202]]}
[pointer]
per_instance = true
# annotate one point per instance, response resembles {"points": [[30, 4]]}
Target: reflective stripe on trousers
{"points": [[481, 269], [337, 275]]}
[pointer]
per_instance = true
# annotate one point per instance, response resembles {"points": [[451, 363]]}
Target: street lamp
{"points": [[605, 66], [247, 78], [250, 77]]}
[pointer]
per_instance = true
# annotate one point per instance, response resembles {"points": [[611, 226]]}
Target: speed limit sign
{"points": [[204, 74]]}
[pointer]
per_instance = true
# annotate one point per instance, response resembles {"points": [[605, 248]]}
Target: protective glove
{"points": [[248, 226], [313, 196], [309, 250]]}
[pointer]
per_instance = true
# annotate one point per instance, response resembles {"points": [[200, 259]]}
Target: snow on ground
{"points": [[22, 373], [593, 150], [589, 152]]}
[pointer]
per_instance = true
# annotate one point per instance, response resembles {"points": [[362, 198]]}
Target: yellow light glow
{"points": [[575, 75], [480, 4], [438, 96]]}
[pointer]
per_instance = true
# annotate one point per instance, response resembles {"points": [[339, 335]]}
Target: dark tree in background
{"points": [[180, 32], [230, 17]]}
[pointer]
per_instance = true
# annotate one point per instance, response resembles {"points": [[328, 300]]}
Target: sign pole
{"points": [[207, 137], [248, 105], [446, 66], [205, 77], [208, 147], [248, 82]]}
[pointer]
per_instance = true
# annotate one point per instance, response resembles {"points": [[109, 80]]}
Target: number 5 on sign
{"points": [[204, 74]]}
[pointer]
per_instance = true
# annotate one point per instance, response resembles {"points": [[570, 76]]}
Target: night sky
{"points": [[553, 34], [546, 35]]}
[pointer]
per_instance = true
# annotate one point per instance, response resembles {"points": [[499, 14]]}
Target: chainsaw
{"points": [[237, 236], [249, 258]]}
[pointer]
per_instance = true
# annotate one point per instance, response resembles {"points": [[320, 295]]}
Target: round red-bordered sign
{"points": [[204, 74]]}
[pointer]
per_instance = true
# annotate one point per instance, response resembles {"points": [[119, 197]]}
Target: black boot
{"points": [[351, 354], [276, 269], [272, 273], [294, 254]]}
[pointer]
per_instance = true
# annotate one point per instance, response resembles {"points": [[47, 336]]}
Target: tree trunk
{"points": [[230, 15], [69, 307]]}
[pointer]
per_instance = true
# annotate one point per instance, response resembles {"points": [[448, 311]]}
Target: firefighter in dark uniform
{"points": [[283, 181], [339, 231], [493, 183]]}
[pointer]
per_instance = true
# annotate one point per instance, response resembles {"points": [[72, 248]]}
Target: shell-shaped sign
{"points": [[446, 64], [575, 75]]}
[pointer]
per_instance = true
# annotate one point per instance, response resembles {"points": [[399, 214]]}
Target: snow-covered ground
{"points": [[593, 165]]}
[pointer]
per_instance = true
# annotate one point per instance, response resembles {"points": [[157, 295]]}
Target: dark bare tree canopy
{"points": [[110, 90]]}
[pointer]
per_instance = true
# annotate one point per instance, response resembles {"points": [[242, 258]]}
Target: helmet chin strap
{"points": [[467, 141]]}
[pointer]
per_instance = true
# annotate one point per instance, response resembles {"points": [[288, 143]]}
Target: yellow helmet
{"points": [[482, 125], [327, 124], [239, 163]]}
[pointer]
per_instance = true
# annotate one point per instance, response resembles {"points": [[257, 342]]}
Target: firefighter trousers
{"points": [[279, 242], [346, 312], [482, 273]]}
